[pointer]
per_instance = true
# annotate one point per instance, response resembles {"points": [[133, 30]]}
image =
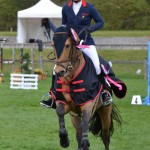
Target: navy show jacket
{"points": [[82, 20]]}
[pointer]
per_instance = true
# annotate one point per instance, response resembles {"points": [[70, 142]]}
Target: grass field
{"points": [[122, 33], [25, 125]]}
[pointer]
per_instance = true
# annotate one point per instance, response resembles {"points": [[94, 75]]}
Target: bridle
{"points": [[73, 57]]}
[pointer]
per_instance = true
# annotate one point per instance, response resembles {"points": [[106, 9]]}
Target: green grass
{"points": [[122, 33], [127, 69], [27, 126], [7, 33], [102, 33], [121, 69]]}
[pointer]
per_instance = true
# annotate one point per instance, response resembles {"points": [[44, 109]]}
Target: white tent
{"points": [[29, 20]]}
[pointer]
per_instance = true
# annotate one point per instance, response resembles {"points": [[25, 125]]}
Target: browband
{"points": [[61, 33]]}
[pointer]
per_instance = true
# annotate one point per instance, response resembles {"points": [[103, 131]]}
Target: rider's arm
{"points": [[64, 17], [99, 22], [51, 25]]}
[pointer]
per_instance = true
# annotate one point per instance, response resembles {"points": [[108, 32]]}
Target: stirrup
{"points": [[46, 97], [106, 102]]}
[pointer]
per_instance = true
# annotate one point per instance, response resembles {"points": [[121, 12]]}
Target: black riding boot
{"points": [[50, 103], [105, 95]]}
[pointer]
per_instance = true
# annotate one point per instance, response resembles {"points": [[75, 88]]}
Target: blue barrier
{"points": [[147, 99]]}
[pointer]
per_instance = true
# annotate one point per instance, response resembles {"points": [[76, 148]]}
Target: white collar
{"points": [[78, 5]]}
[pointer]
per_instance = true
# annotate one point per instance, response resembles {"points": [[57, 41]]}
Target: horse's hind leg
{"points": [[76, 121], [105, 114], [63, 134]]}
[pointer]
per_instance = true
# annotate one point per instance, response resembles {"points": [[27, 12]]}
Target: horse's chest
{"points": [[84, 87], [67, 94]]}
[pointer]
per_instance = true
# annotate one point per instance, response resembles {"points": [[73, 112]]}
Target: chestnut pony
{"points": [[78, 92]]}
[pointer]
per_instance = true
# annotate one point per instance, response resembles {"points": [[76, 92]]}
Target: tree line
{"points": [[117, 14]]}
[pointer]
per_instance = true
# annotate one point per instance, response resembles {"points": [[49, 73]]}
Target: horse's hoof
{"points": [[64, 141], [85, 144]]}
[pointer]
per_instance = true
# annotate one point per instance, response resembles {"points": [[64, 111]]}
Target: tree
{"points": [[118, 14], [60, 2], [148, 1], [8, 13]]}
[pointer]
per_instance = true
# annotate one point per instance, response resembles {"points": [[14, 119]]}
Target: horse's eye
{"points": [[68, 45]]}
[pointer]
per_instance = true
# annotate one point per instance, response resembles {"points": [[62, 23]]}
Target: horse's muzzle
{"points": [[60, 74]]}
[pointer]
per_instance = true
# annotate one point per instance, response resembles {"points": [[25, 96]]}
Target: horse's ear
{"points": [[75, 36]]}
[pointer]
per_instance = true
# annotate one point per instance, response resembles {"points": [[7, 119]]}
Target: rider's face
{"points": [[76, 1]]}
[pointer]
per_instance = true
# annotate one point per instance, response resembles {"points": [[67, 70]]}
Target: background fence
{"points": [[11, 55]]}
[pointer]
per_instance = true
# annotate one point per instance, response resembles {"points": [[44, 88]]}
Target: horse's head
{"points": [[64, 43]]}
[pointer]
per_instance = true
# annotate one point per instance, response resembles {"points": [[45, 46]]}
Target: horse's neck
{"points": [[77, 66], [75, 71]]}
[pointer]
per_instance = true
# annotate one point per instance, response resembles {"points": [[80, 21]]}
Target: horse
{"points": [[78, 92]]}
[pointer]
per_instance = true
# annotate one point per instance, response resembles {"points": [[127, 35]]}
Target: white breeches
{"points": [[91, 52]]}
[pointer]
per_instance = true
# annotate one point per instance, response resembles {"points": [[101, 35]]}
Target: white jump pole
{"points": [[147, 99]]}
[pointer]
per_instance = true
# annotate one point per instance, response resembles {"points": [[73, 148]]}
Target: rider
{"points": [[78, 15]]}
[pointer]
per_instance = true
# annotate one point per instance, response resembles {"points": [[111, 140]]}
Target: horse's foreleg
{"points": [[85, 128], [63, 134], [76, 121]]}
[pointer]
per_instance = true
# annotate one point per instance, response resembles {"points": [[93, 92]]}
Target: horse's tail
{"points": [[96, 126]]}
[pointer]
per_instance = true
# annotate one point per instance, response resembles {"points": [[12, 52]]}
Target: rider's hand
{"points": [[87, 30]]}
